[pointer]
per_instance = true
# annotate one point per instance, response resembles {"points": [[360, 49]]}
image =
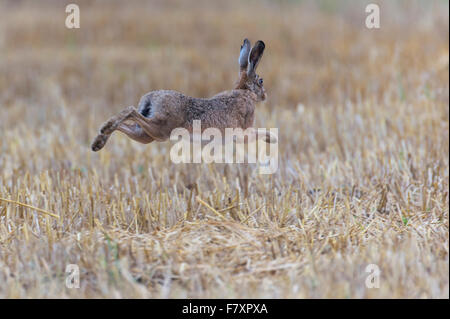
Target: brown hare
{"points": [[160, 112]]}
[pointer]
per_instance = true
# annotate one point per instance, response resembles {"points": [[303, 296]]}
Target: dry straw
{"points": [[29, 206]]}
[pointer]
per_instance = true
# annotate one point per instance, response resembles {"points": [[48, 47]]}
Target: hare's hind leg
{"points": [[150, 126], [147, 126], [109, 127], [135, 132], [113, 123]]}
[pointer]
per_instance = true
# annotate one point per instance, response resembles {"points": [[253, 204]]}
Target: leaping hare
{"points": [[160, 112]]}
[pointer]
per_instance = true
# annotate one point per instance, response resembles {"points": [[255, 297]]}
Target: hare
{"points": [[160, 112]]}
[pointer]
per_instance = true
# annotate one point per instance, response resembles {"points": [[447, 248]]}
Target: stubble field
{"points": [[363, 172]]}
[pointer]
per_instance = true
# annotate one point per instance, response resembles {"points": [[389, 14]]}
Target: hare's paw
{"points": [[270, 138], [99, 142], [109, 127]]}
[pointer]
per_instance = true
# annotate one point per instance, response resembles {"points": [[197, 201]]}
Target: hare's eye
{"points": [[260, 82]]}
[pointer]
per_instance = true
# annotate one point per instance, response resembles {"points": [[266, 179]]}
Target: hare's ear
{"points": [[243, 56], [255, 56]]}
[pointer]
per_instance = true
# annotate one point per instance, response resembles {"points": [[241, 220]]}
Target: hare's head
{"points": [[248, 61]]}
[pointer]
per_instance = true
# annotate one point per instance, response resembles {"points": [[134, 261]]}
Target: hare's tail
{"points": [[146, 108]]}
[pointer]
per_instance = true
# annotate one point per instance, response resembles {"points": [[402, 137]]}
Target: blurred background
{"points": [[317, 51]]}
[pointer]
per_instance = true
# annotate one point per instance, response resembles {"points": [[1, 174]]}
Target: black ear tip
{"points": [[261, 43]]}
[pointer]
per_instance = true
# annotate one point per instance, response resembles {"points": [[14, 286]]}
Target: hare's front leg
{"points": [[267, 136], [255, 134]]}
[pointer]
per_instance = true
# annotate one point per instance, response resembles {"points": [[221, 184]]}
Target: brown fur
{"points": [[160, 112]]}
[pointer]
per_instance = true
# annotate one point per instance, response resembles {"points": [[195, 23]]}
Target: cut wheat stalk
{"points": [[211, 208], [29, 206]]}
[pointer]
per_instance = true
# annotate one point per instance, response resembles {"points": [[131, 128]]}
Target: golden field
{"points": [[363, 178]]}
